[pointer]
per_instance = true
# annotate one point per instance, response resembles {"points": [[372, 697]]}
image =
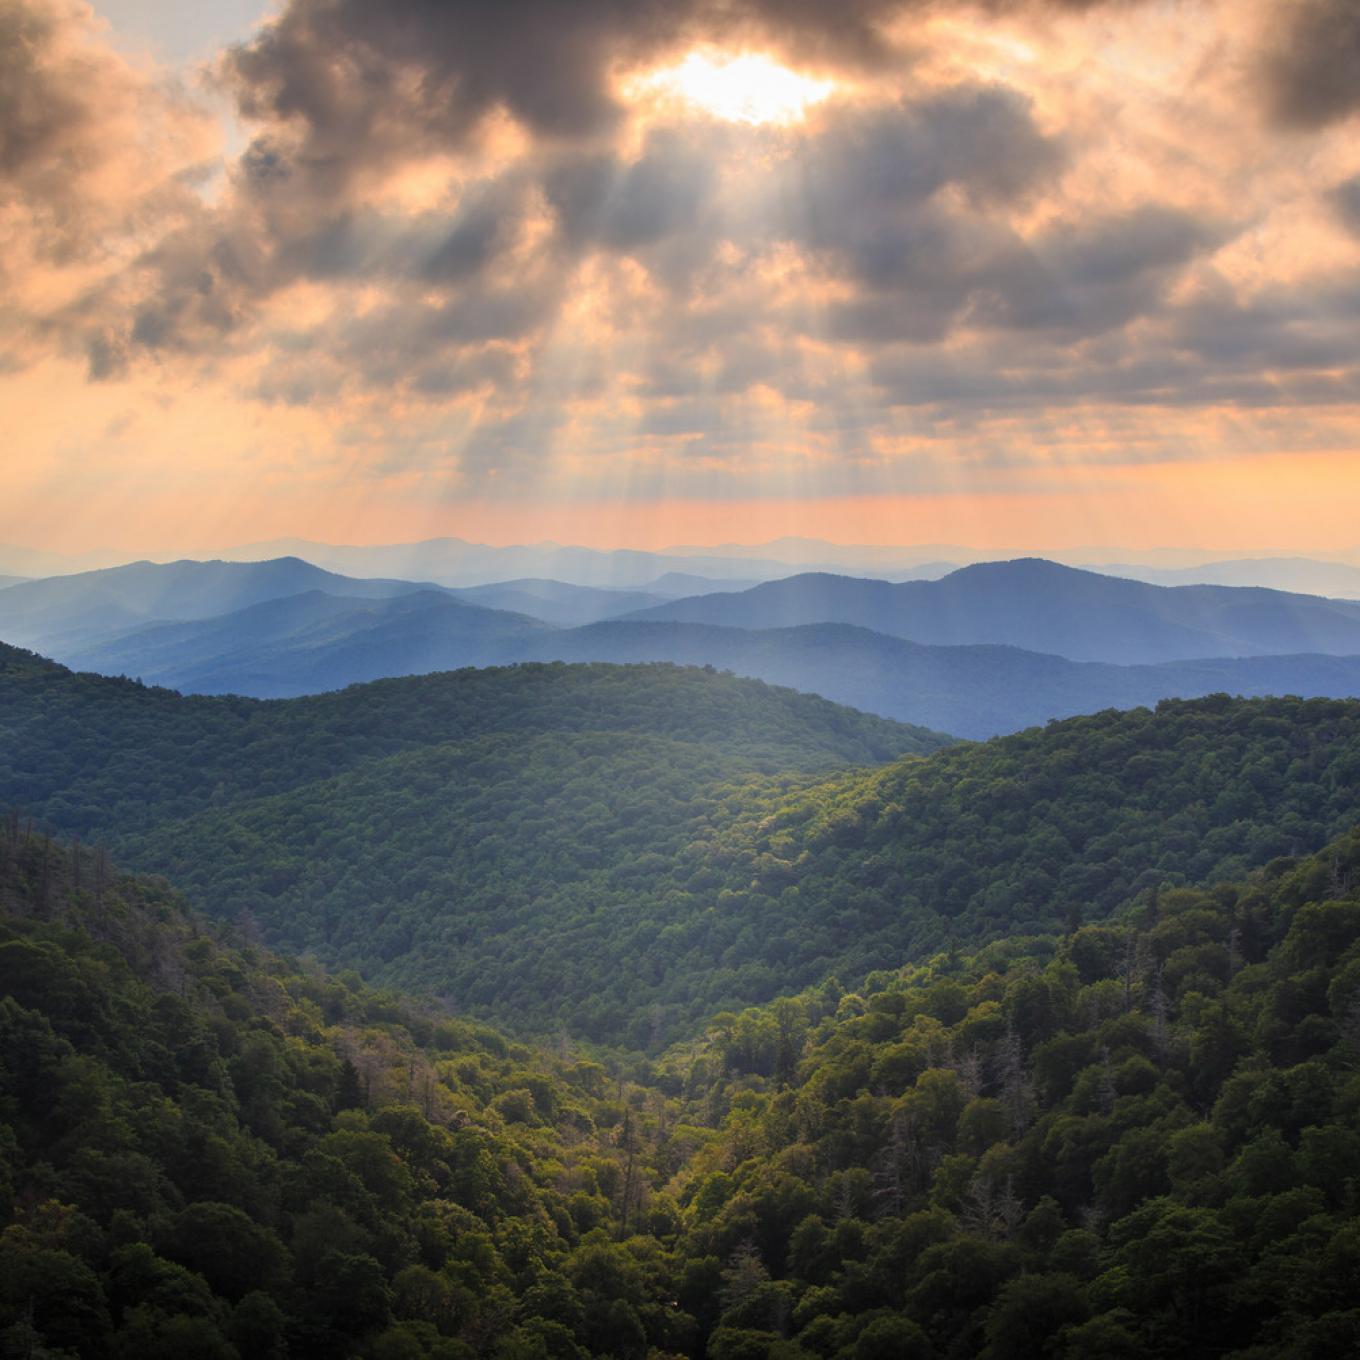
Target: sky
{"points": [[1030, 273]]}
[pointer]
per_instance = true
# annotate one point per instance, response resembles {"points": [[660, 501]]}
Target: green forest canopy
{"points": [[614, 851], [1135, 1140]]}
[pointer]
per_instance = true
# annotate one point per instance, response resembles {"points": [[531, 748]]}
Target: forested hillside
{"points": [[93, 754], [1136, 1140], [622, 851], [1139, 1140], [584, 881], [206, 1154]]}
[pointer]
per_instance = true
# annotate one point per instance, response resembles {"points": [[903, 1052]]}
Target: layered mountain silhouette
{"points": [[316, 642], [561, 603], [304, 630], [1305, 574], [308, 643], [63, 611], [1044, 607]]}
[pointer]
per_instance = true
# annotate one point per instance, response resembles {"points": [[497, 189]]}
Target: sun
{"points": [[747, 88]]}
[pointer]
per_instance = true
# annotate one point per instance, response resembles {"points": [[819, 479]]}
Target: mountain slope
{"points": [[596, 847], [311, 643], [558, 603], [211, 1154], [1136, 1141], [94, 754], [63, 612], [306, 643], [599, 882], [1044, 607], [975, 692]]}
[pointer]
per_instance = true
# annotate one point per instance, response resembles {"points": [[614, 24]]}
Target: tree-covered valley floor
{"points": [[1048, 1046], [1139, 1139]]}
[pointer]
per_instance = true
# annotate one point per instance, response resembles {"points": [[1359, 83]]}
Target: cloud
{"points": [[422, 73], [600, 199], [451, 237], [96, 157], [1345, 198], [1081, 278], [1311, 64]]}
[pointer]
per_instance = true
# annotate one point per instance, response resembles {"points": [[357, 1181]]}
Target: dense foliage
{"points": [[208, 1153], [628, 888], [595, 848], [1140, 1139], [94, 755]]}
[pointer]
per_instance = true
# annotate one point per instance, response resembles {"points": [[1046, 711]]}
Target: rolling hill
{"points": [[622, 850], [306, 643], [1136, 1140], [62, 612], [315, 642], [1044, 607], [558, 603], [75, 745]]}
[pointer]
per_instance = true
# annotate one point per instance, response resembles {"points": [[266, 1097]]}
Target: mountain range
{"points": [[65, 611], [297, 629], [1044, 607], [1312, 577], [628, 849]]}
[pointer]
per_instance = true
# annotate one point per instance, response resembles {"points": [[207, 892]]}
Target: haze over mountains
{"points": [[460, 563], [990, 648], [64, 611], [1045, 607], [1305, 574]]}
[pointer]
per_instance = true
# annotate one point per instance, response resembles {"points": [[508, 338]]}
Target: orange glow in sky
{"points": [[1034, 276]]}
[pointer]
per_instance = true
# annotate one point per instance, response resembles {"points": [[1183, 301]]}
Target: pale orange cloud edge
{"points": [[1120, 316], [1303, 503]]}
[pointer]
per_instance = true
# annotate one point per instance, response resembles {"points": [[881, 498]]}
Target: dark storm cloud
{"points": [[873, 208], [1311, 66], [1345, 198], [1083, 278], [598, 199], [360, 80]]}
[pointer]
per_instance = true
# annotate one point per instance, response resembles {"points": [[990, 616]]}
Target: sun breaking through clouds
{"points": [[537, 259], [750, 87]]}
